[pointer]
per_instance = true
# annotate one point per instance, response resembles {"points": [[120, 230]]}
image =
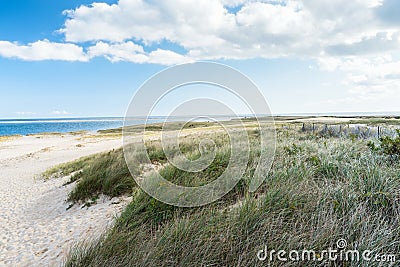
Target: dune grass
{"points": [[320, 189], [104, 173], [68, 168], [158, 127], [5, 138]]}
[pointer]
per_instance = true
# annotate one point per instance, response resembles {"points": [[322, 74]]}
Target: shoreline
{"points": [[340, 119]]}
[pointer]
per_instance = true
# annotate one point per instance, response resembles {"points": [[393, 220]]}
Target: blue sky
{"points": [[305, 56]]}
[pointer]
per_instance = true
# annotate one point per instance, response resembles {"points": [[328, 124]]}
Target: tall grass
{"points": [[320, 189], [104, 173]]}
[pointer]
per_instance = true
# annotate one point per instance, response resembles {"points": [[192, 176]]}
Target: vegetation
{"points": [[159, 126], [104, 173], [5, 138], [387, 145], [69, 168], [320, 189], [377, 121]]}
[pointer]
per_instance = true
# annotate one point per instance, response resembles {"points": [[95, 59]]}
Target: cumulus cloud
{"points": [[167, 57], [263, 28], [359, 37], [209, 31], [116, 52], [124, 51], [380, 42], [368, 77], [129, 51], [42, 50]]}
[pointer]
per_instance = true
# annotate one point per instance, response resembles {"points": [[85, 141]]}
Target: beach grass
{"points": [[320, 189], [9, 137], [377, 121], [66, 169]]}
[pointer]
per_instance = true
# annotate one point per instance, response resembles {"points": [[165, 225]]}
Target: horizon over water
{"points": [[58, 125], [26, 126], [65, 125]]}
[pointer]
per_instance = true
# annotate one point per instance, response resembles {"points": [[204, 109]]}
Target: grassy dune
{"points": [[320, 189], [8, 137]]}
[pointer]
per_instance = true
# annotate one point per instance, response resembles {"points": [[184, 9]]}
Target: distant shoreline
{"points": [[24, 127], [300, 114]]}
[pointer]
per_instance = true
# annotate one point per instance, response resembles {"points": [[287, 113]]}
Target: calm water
{"points": [[34, 126]]}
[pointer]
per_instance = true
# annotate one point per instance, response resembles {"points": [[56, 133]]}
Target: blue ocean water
{"points": [[65, 125], [35, 126]]}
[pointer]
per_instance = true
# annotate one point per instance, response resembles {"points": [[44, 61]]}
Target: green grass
{"points": [[159, 126], [377, 121], [320, 189], [69, 168], [387, 145], [104, 173]]}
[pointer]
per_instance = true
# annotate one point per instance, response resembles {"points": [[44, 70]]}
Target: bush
{"points": [[387, 145]]}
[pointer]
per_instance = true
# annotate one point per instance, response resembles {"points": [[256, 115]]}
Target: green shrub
{"points": [[293, 149], [387, 145]]}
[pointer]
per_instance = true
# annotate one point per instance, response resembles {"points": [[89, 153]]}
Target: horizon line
{"points": [[305, 114]]}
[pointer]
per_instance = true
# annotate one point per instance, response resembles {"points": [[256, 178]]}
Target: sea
{"points": [[37, 126], [66, 125]]}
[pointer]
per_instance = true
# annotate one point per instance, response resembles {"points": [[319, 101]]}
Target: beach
{"points": [[37, 229], [139, 133]]}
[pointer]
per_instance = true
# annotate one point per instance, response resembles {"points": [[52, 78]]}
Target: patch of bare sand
{"points": [[36, 227]]}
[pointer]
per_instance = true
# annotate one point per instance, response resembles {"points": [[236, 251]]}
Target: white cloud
{"points": [[370, 78], [167, 57], [60, 112], [264, 28], [124, 51], [350, 36], [208, 31], [132, 52], [117, 52], [380, 42], [176, 21], [25, 113], [42, 50]]}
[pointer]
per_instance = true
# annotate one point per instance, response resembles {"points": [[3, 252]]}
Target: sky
{"points": [[79, 58]]}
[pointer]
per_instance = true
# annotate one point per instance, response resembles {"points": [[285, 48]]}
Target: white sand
{"points": [[35, 227]]}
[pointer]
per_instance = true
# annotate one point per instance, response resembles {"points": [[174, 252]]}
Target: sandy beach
{"points": [[36, 227]]}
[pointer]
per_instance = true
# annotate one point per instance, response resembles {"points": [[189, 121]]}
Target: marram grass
{"points": [[320, 189]]}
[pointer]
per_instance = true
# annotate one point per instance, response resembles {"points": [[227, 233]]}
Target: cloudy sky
{"points": [[79, 58]]}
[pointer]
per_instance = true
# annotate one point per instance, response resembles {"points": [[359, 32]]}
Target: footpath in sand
{"points": [[35, 227]]}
